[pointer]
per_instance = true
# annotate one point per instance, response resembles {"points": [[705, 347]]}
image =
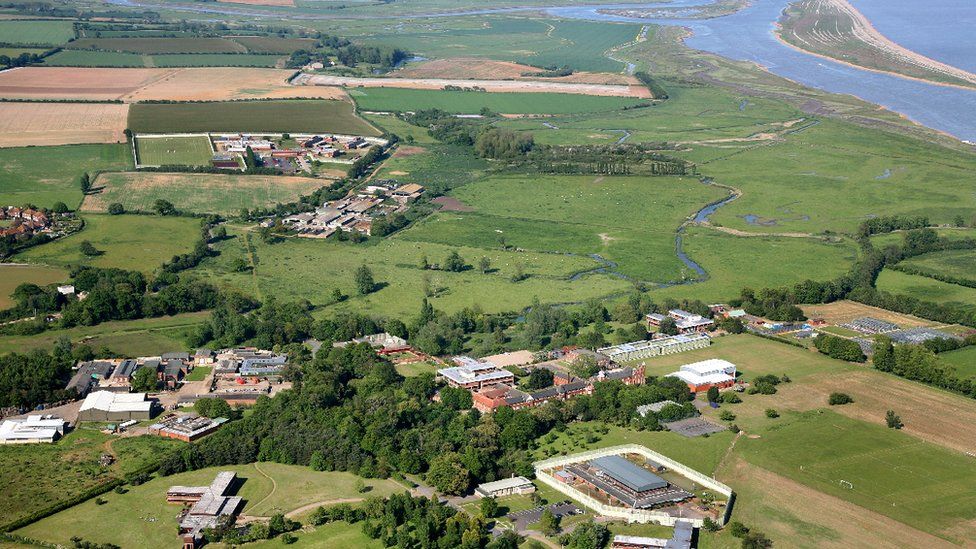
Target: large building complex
{"points": [[685, 321], [638, 350], [701, 376], [210, 504], [624, 483], [31, 430], [474, 374]]}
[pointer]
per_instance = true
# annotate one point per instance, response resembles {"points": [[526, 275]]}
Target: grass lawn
{"points": [[34, 477], [416, 368], [199, 373], [962, 360], [471, 102], [12, 276], [135, 242], [249, 116], [200, 193], [142, 337], [265, 487], [300, 268], [628, 220], [927, 289], [45, 175], [335, 535], [30, 33], [920, 484], [955, 263], [173, 151]]}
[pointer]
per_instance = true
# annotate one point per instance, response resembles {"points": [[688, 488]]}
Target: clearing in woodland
{"points": [[198, 193]]}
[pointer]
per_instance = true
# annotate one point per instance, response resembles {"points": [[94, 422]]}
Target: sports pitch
{"points": [[173, 151]]}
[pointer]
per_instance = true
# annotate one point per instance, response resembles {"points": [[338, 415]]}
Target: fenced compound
{"points": [[628, 514]]}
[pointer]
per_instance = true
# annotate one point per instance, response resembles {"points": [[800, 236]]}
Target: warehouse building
{"points": [[638, 350], [505, 487], [109, 406], [33, 429], [685, 321], [624, 483], [701, 376], [680, 539]]}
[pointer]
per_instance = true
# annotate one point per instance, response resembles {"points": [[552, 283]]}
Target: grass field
{"points": [[898, 237], [254, 116], [273, 44], [153, 45], [173, 151], [34, 477], [920, 484], [91, 58], [471, 102], [14, 52], [963, 361], [627, 220], [142, 337], [45, 176], [199, 373], [955, 263], [309, 269], [335, 535], [86, 58], [927, 289], [266, 487], [437, 167], [136, 242], [29, 33], [12, 276], [416, 368], [201, 193]]}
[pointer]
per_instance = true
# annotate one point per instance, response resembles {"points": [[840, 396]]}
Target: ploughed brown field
{"points": [[131, 85], [486, 69], [23, 124]]}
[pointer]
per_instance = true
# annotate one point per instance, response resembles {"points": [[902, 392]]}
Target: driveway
{"points": [[522, 519]]}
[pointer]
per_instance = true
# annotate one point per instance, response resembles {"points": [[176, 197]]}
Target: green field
{"points": [[963, 361], [920, 484], [85, 58], [927, 289], [335, 535], [579, 44], [35, 477], [300, 268], [199, 373], [136, 242], [142, 337], [437, 167], [91, 58], [201, 193], [274, 44], [471, 102], [29, 33], [45, 175], [12, 276], [959, 264], [160, 45], [14, 52], [173, 151], [627, 220], [897, 238], [253, 116], [266, 488]]}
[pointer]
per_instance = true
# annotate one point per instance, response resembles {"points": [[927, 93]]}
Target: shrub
{"points": [[837, 399], [726, 416], [730, 397], [893, 421], [771, 413], [116, 208], [737, 529]]}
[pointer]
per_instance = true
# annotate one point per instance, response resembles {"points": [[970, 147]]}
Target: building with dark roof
{"points": [[624, 483], [88, 375]]}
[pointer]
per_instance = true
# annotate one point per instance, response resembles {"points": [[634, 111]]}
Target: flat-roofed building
{"points": [[33, 429], [263, 366], [505, 487], [109, 406], [624, 483], [685, 321], [186, 428], [680, 539], [474, 374], [701, 376]]}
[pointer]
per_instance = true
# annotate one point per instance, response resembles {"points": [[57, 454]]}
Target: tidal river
{"points": [[941, 29]]}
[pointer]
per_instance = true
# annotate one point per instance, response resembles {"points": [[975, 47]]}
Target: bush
{"points": [[726, 416], [837, 399], [893, 421], [737, 529], [730, 397], [771, 413], [116, 209]]}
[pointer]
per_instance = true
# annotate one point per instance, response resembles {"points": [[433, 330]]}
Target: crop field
{"points": [[173, 151], [131, 85], [487, 69], [579, 44], [86, 58], [253, 116], [844, 311], [142, 337], [627, 220], [927, 289], [920, 484], [471, 102], [265, 488], [92, 58], [25, 124], [12, 276], [135, 242], [45, 176], [200, 193], [160, 45], [34, 477], [42, 33], [273, 44], [309, 269], [955, 263]]}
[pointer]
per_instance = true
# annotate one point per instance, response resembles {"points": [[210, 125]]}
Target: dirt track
{"points": [[489, 85]]}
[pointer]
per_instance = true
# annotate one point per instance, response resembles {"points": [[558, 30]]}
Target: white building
{"points": [[637, 350], [700, 376], [474, 374], [31, 430], [109, 406], [505, 487]]}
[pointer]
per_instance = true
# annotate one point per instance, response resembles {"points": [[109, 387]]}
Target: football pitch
{"points": [[173, 151]]}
